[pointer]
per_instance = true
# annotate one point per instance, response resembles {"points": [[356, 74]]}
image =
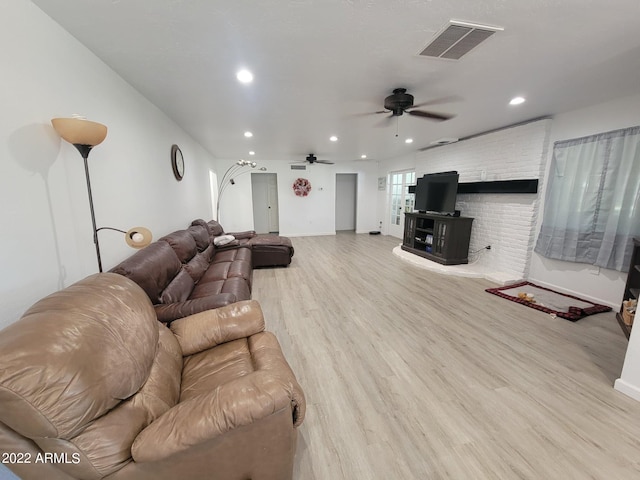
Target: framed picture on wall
{"points": [[382, 183]]}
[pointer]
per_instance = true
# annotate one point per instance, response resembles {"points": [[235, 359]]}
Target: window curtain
{"points": [[591, 205]]}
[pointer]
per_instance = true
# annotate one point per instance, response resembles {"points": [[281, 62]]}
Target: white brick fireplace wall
{"points": [[507, 222]]}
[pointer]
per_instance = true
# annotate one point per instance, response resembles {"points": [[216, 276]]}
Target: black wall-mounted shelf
{"points": [[500, 186]]}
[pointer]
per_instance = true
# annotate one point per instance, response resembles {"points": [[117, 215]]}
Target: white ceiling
{"points": [[318, 64]]}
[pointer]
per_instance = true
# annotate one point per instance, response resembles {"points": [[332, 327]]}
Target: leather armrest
{"points": [[205, 330], [235, 404], [168, 312], [241, 235]]}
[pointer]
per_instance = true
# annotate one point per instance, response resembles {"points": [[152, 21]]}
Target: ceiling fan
{"points": [[402, 102], [311, 159]]}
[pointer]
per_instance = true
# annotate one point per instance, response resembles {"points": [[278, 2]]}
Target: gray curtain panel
{"points": [[591, 205]]}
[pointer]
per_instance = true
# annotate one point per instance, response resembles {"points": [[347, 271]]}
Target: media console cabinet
{"points": [[439, 238]]}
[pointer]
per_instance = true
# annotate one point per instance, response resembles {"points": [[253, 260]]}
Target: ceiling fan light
{"points": [[244, 76]]}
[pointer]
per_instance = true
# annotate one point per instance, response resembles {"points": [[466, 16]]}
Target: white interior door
{"points": [[400, 200], [346, 195], [272, 200], [264, 187]]}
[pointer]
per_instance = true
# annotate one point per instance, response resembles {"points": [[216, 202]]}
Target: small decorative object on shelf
{"points": [[631, 291], [629, 311], [301, 187]]}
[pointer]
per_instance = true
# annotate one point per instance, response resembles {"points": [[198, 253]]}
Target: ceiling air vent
{"points": [[298, 167], [444, 141], [458, 38]]}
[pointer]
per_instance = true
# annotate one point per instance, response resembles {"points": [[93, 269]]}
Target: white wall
{"points": [[600, 285], [504, 221], [301, 216], [46, 236]]}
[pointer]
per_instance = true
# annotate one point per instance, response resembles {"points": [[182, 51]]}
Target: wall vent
{"points": [[298, 167], [444, 141], [458, 38]]}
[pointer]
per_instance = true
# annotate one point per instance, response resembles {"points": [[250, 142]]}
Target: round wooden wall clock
{"points": [[177, 162]]}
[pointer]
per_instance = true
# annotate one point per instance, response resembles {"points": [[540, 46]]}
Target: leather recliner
{"points": [[93, 386]]}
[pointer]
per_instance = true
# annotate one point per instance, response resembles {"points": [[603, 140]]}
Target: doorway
{"points": [[264, 187], [346, 200], [400, 200]]}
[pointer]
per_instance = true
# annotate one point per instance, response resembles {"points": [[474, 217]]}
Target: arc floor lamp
{"points": [[233, 172], [84, 135]]}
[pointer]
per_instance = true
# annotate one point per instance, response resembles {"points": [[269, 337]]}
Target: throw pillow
{"points": [[223, 240]]}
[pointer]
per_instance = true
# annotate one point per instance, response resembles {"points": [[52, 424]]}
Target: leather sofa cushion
{"points": [[105, 445], [205, 371], [232, 255], [216, 271], [238, 286], [182, 243], [207, 329], [226, 364], [152, 268], [225, 270], [161, 391], [200, 234], [235, 285], [198, 265], [179, 289], [242, 269], [42, 346], [215, 228], [206, 289]]}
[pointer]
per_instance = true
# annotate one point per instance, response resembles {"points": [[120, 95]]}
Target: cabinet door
{"points": [[409, 230], [439, 237]]}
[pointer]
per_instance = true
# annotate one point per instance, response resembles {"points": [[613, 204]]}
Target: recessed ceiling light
{"points": [[244, 76], [252, 152], [333, 138], [363, 156], [409, 140], [517, 101], [248, 134]]}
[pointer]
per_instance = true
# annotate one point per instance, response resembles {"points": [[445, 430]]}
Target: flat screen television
{"points": [[436, 193]]}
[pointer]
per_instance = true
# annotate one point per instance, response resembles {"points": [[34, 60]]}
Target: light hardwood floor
{"points": [[413, 375]]}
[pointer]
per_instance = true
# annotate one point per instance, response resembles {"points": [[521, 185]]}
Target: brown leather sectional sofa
{"points": [[185, 272], [92, 386]]}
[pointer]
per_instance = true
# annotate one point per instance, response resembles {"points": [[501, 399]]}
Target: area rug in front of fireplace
{"points": [[546, 300]]}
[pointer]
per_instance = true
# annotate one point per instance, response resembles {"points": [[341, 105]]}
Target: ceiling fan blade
{"points": [[437, 101], [368, 114], [431, 115], [326, 162], [385, 122]]}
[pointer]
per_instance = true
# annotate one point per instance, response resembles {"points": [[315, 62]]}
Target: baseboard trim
{"points": [[628, 389], [316, 234]]}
